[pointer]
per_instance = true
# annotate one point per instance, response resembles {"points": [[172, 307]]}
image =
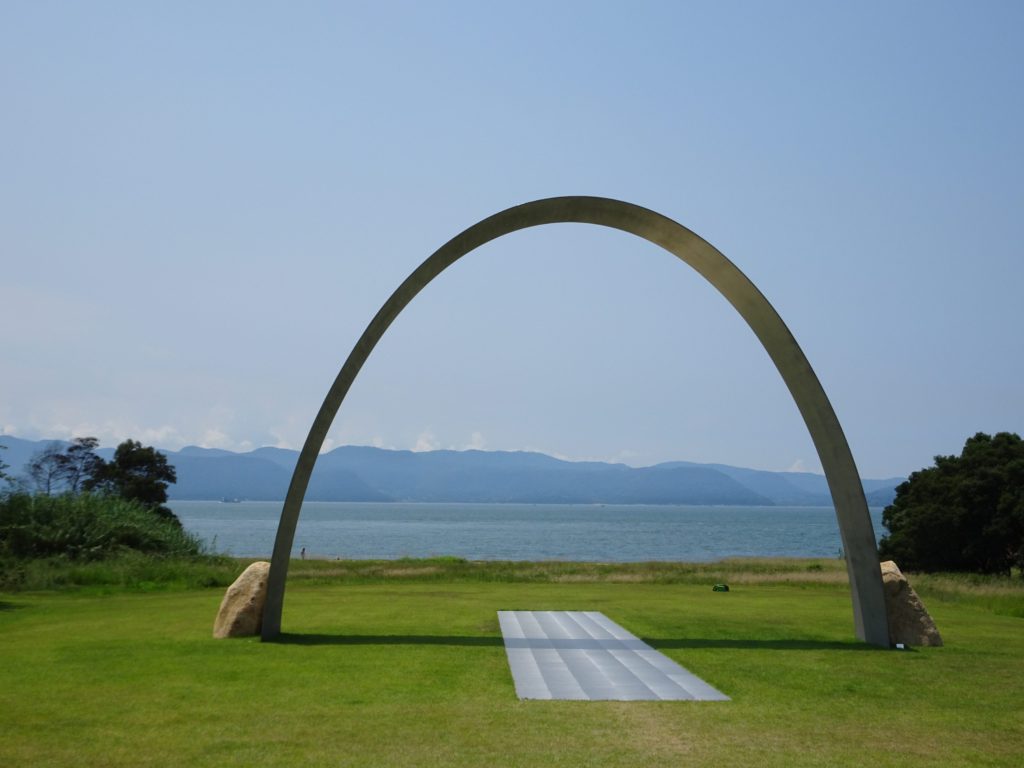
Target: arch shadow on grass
{"points": [[759, 645], [292, 638]]}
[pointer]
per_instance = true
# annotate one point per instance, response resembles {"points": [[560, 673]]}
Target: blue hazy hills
{"points": [[355, 473]]}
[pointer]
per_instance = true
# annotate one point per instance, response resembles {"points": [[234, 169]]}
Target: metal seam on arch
{"points": [[855, 527]]}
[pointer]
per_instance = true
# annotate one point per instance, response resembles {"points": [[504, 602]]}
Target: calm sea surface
{"points": [[521, 531]]}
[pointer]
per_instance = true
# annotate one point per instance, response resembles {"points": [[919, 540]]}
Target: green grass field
{"points": [[402, 664]]}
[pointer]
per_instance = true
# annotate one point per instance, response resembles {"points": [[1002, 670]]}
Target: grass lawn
{"points": [[407, 668]]}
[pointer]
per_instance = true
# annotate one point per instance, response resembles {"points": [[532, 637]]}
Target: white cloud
{"points": [[164, 436], [426, 442], [476, 442], [280, 440], [109, 433], [215, 438], [552, 454], [625, 456], [798, 466]]}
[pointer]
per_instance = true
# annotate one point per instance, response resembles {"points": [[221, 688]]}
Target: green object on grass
{"points": [[720, 588]]}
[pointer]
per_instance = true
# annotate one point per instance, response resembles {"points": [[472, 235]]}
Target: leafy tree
{"points": [[66, 470], [136, 472], [964, 514], [3, 465], [78, 463], [44, 469]]}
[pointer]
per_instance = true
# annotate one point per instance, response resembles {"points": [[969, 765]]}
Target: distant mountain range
{"points": [[354, 473]]}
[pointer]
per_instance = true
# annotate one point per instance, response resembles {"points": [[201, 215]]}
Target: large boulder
{"points": [[241, 610], [909, 622]]}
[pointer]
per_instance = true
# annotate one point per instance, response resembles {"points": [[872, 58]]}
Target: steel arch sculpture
{"points": [[855, 527]]}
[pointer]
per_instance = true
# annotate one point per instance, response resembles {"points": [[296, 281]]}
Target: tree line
{"points": [[135, 472], [965, 513], [73, 505]]}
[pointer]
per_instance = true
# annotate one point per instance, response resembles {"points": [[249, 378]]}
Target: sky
{"points": [[203, 204]]}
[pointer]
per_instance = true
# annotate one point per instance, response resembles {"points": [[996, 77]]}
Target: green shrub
{"points": [[87, 527]]}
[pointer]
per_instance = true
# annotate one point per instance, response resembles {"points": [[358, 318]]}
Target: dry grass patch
{"points": [[795, 577], [737, 570]]}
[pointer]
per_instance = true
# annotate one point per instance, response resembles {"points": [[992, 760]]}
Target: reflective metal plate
{"points": [[586, 655]]}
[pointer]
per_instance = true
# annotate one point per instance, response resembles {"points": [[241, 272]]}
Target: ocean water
{"points": [[603, 533]]}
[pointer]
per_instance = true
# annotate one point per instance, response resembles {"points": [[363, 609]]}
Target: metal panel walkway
{"points": [[586, 655]]}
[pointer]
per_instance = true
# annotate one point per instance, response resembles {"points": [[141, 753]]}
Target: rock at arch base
{"points": [[241, 610], [909, 621]]}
